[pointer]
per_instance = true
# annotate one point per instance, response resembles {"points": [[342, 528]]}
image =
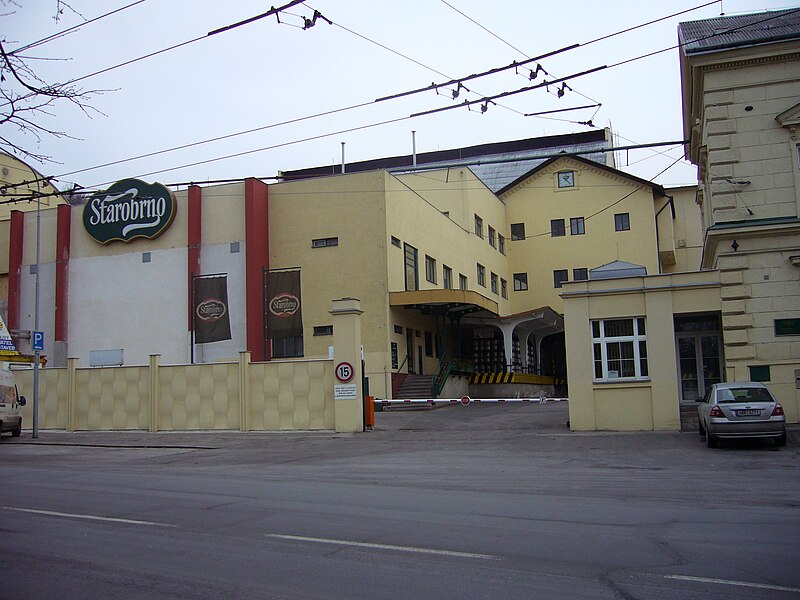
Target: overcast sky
{"points": [[266, 73]]}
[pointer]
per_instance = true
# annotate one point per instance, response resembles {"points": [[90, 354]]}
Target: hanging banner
{"points": [[284, 311], [211, 320]]}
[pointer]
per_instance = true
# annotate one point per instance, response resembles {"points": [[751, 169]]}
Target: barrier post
{"points": [[370, 402], [348, 390]]}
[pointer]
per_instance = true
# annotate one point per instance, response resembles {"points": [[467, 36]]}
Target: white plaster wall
{"points": [[121, 302], [218, 259], [47, 303]]}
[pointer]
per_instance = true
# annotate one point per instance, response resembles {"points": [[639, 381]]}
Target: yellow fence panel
{"points": [[199, 397]]}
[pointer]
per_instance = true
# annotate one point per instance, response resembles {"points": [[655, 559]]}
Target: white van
{"points": [[10, 403]]}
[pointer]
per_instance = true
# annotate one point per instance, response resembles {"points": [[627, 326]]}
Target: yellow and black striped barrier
{"points": [[510, 377]]}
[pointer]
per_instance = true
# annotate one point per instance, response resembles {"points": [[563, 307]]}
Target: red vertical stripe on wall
{"points": [[15, 239], [63, 237], [194, 237], [256, 207]]}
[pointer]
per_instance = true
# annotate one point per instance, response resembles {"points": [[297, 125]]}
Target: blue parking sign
{"points": [[38, 340]]}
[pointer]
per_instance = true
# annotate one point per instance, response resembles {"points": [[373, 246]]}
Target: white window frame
{"points": [[600, 340]]}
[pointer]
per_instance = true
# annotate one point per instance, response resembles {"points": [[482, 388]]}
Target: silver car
{"points": [[740, 409]]}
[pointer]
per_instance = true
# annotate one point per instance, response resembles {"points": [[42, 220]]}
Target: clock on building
{"points": [[566, 179]]}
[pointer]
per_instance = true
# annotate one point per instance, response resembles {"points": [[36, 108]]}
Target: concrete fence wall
{"points": [[245, 396]]}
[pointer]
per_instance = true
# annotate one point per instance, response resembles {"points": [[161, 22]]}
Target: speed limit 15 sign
{"points": [[344, 372]]}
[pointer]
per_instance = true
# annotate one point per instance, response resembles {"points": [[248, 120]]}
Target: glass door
{"points": [[699, 363]]}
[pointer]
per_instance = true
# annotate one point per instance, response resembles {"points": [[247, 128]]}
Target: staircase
{"points": [[416, 387], [689, 420]]}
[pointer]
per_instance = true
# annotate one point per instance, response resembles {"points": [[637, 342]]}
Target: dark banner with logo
{"points": [[284, 314], [211, 321]]}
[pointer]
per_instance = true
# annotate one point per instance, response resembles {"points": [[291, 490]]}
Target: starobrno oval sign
{"points": [[129, 209]]}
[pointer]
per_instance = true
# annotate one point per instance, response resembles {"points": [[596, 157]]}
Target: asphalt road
{"points": [[484, 501]]}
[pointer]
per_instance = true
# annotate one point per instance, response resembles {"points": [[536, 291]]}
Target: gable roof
{"points": [[657, 189], [722, 33], [495, 164]]}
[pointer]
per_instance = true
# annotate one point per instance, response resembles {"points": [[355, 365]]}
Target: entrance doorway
{"points": [[700, 360]]}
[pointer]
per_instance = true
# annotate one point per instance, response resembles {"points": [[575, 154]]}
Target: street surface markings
{"points": [[763, 586], [299, 538], [88, 517]]}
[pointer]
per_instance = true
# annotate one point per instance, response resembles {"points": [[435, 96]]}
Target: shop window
{"points": [[619, 348], [557, 228], [518, 231], [520, 282], [622, 222]]}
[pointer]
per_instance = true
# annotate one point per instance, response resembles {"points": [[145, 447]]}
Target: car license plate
{"points": [[748, 413]]}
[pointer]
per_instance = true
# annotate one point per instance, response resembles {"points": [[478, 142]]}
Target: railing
{"points": [[446, 366]]}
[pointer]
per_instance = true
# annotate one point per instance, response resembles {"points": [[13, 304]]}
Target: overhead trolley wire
{"points": [[418, 90]]}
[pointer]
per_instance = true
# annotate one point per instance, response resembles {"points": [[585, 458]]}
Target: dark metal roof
{"points": [[722, 33], [514, 158]]}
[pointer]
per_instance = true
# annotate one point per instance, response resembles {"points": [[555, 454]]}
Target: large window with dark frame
{"points": [[619, 349], [492, 233], [481, 275], [412, 276], [622, 222], [557, 228], [520, 282], [447, 277], [517, 231], [577, 226], [478, 226], [430, 269], [560, 276]]}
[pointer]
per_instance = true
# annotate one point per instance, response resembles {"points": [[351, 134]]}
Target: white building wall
{"points": [[218, 259], [122, 302]]}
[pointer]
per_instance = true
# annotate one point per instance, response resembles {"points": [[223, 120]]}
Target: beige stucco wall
{"points": [[282, 395], [18, 180], [650, 404], [687, 229], [538, 200]]}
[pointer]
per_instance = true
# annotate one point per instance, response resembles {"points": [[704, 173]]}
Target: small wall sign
{"points": [[129, 209]]}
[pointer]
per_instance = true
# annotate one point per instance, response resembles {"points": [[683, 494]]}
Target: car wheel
{"points": [[711, 440], [17, 431], [781, 439]]}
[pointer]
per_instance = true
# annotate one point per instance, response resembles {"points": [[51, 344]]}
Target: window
{"points": [[287, 347], [325, 242], [395, 241], [398, 329], [447, 277], [428, 343], [412, 278], [576, 226], [566, 179], [520, 282], [559, 277], [481, 275], [323, 330], [462, 281], [580, 274], [557, 228], [622, 222], [493, 279], [492, 241], [518, 231], [430, 269], [759, 373], [619, 347], [503, 288], [478, 226], [501, 244]]}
